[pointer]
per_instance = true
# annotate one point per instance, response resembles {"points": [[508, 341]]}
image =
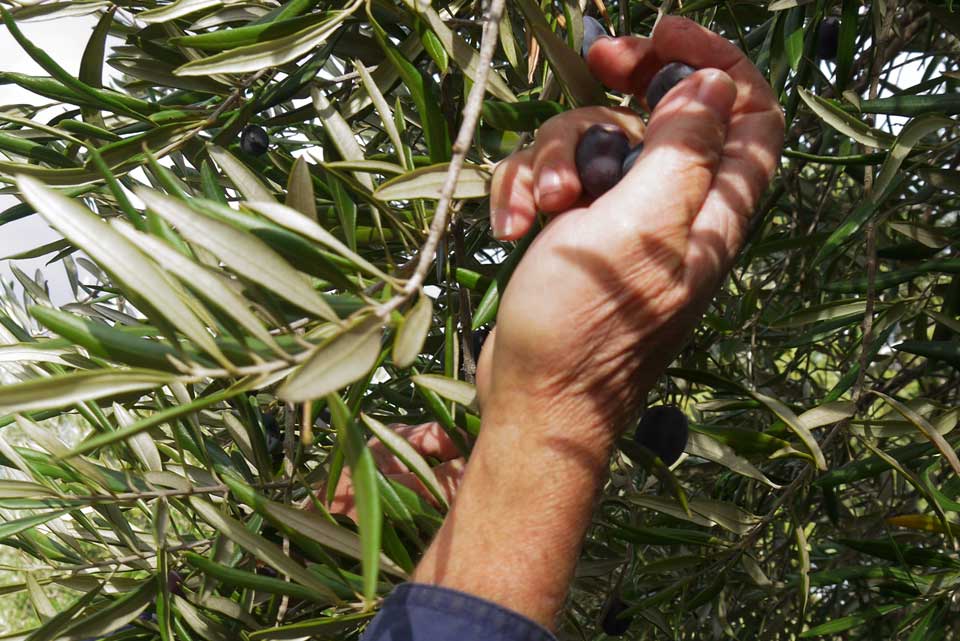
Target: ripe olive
{"points": [[663, 430], [174, 583], [611, 624], [665, 80], [254, 140], [599, 157], [828, 38], [592, 31]]}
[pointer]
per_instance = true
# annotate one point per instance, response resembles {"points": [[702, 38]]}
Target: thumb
{"points": [[663, 192]]}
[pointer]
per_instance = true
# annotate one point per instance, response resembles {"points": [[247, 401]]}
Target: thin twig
{"points": [[471, 114], [871, 230]]}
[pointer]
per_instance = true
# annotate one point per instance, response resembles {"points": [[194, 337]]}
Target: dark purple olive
{"points": [[632, 158], [325, 416], [665, 80], [828, 37], [663, 430], [612, 624], [272, 435], [599, 157], [254, 140], [174, 583], [592, 31]]}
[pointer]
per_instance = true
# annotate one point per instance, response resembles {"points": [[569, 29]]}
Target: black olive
{"points": [[663, 430], [254, 140], [599, 157], [665, 80], [612, 624], [828, 39], [592, 31]]}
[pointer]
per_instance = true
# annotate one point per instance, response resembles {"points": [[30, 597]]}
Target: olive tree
{"points": [[274, 223]]}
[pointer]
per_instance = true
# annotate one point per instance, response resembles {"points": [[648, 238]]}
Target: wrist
{"points": [[514, 532]]}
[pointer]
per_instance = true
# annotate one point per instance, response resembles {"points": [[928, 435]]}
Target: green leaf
{"points": [[363, 475], [16, 526], [241, 252], [272, 53], [466, 57], [459, 392], [408, 456], [310, 524], [787, 416], [423, 90], [427, 183], [300, 195], [214, 287], [177, 9], [246, 182], [925, 428], [383, 110], [112, 343], [843, 624], [519, 116], [344, 358], [340, 133], [909, 136], [322, 627], [65, 389], [260, 547], [845, 123], [122, 260], [712, 450], [114, 616], [412, 332], [52, 629], [294, 221], [580, 85]]}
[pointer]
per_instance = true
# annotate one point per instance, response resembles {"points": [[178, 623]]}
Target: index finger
{"points": [[628, 63]]}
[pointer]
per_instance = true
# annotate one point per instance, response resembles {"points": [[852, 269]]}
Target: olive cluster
{"points": [[603, 155]]}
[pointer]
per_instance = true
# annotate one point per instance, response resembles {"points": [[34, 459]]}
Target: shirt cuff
{"points": [[421, 612]]}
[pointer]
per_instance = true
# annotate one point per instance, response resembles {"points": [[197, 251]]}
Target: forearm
{"points": [[514, 532]]}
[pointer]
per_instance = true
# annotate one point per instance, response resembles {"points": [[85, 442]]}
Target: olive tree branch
{"points": [[471, 114]]}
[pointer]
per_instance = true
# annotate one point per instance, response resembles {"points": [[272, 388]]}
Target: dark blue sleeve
{"points": [[418, 612]]}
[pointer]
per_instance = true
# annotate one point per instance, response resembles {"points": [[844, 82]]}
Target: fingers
{"points": [[428, 439], [673, 176], [624, 64], [512, 205], [449, 475], [627, 64], [544, 177]]}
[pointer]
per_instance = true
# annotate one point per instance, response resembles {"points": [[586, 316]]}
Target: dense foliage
{"points": [[226, 353]]}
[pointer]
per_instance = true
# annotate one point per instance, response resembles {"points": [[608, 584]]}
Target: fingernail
{"points": [[717, 92], [548, 183], [501, 223], [592, 31]]}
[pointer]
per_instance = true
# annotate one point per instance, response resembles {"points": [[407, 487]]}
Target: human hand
{"points": [[609, 290], [428, 439]]}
